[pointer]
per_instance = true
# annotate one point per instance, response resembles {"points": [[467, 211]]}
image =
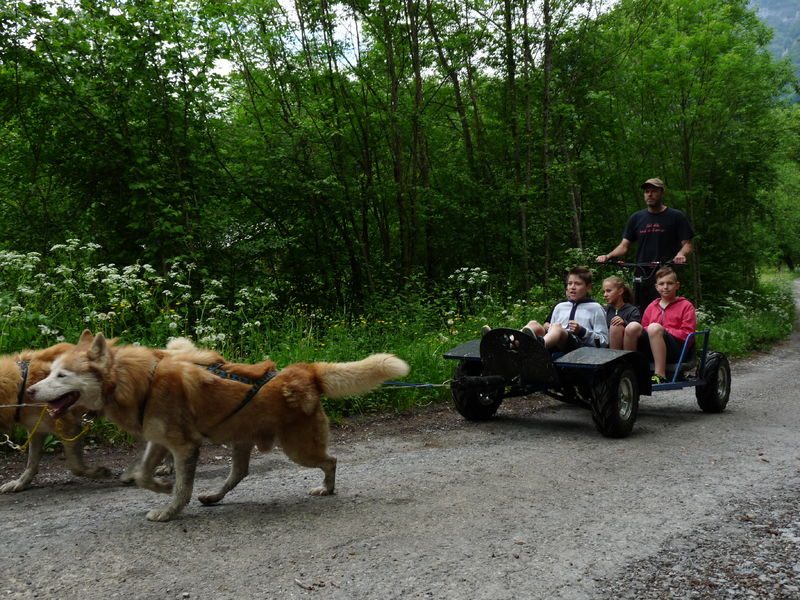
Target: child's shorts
{"points": [[572, 343], [674, 346]]}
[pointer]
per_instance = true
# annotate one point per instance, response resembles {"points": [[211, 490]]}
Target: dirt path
{"points": [[534, 504]]}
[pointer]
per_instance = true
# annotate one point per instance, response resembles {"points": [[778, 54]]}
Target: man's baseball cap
{"points": [[655, 182]]}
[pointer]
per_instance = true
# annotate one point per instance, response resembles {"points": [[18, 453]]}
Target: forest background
{"points": [[309, 179]]}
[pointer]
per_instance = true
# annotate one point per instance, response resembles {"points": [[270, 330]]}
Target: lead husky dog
{"points": [[17, 371], [176, 404]]}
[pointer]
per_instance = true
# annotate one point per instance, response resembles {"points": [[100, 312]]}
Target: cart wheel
{"points": [[615, 403], [712, 397], [474, 405]]}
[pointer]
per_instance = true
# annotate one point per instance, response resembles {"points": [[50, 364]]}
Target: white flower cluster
{"points": [[470, 276], [70, 286]]}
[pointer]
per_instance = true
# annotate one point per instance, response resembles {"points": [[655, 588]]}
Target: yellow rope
{"points": [[60, 431], [33, 431]]}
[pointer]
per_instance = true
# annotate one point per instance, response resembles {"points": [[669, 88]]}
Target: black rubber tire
{"points": [[713, 396], [474, 405], [615, 402]]}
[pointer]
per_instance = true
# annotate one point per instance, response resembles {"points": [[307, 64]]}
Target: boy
{"points": [[667, 322], [578, 321]]}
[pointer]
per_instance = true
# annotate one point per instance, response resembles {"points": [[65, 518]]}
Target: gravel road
{"points": [[533, 504]]}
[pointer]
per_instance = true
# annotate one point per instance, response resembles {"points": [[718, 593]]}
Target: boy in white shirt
{"points": [[578, 321]]}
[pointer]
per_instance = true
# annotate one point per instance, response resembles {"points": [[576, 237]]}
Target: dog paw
{"points": [[131, 474], [320, 491], [159, 515], [159, 486], [98, 473], [208, 499], [164, 470], [13, 486], [162, 486]]}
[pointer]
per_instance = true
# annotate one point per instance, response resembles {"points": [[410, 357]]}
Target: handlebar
{"points": [[631, 265], [643, 270]]}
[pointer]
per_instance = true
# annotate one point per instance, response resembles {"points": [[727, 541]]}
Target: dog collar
{"points": [[23, 370]]}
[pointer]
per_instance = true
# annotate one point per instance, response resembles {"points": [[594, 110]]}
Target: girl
{"points": [[620, 310]]}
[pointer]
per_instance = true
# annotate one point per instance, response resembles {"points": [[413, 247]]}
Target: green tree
{"points": [[697, 109]]}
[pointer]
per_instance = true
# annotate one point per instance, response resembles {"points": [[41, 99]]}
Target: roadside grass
{"points": [[748, 321], [46, 301]]}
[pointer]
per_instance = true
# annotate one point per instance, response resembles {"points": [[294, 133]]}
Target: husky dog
{"points": [[17, 372], [155, 459], [177, 404]]}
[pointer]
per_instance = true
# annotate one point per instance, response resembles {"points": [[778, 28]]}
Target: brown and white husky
{"points": [[177, 404]]}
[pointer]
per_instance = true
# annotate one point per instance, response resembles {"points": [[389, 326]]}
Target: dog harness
{"points": [[23, 370], [143, 405], [255, 385]]}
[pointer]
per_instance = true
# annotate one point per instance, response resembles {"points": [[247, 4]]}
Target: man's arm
{"points": [[618, 252], [686, 249]]}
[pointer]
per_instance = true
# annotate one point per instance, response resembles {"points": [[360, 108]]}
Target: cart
{"points": [[507, 363]]}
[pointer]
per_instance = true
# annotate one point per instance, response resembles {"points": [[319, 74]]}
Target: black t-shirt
{"points": [[628, 312], [658, 235]]}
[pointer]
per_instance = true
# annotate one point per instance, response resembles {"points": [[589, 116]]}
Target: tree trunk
{"points": [[452, 73], [511, 116], [395, 145], [547, 67], [419, 141], [688, 178]]}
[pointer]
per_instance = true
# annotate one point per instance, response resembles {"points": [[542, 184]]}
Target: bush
{"points": [[750, 320]]}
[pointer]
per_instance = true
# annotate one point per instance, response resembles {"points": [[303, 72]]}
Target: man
{"points": [[661, 233]]}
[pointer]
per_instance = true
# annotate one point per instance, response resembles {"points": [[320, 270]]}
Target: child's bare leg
{"points": [[616, 337], [556, 336], [633, 332], [658, 347], [536, 328]]}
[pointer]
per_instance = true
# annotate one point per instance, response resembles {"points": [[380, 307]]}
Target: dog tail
{"points": [[339, 380], [184, 350], [181, 344]]}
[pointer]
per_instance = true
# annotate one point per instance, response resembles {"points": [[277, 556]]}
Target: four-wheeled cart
{"points": [[506, 363]]}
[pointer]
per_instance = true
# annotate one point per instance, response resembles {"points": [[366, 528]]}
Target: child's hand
{"points": [[575, 327], [617, 321]]}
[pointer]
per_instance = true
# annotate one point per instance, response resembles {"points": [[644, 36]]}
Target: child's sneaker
{"points": [[485, 329], [528, 331], [656, 379]]}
